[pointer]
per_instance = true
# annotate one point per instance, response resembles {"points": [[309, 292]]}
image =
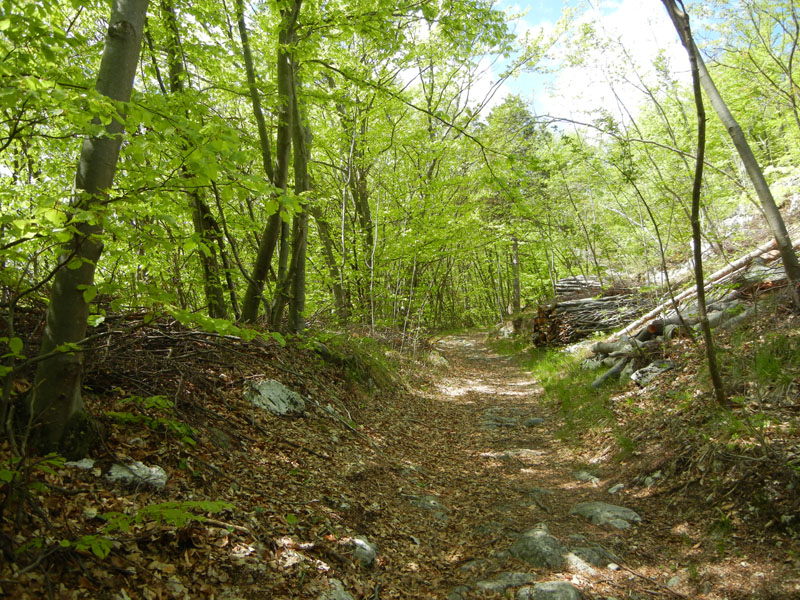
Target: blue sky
{"points": [[640, 26]]}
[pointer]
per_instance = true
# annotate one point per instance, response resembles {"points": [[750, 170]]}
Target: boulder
{"points": [[604, 514], [551, 590], [137, 474], [644, 376], [502, 582], [595, 555], [435, 359], [538, 548], [275, 397], [460, 592], [432, 504], [336, 592], [364, 550], [586, 477]]}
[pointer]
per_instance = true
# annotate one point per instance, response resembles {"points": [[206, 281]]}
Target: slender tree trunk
{"points": [[773, 215], [326, 240], [516, 300], [266, 247], [56, 404], [301, 139], [212, 283], [681, 22]]}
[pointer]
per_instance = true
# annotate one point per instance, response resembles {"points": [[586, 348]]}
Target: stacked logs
{"points": [[569, 320], [577, 286]]}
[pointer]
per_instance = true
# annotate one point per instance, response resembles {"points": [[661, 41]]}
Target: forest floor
{"points": [[440, 474]]}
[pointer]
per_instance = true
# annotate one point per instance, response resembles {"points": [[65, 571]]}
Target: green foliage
{"points": [[569, 386], [162, 408], [175, 514], [19, 475]]}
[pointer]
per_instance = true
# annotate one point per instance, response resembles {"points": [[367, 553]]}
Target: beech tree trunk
{"points": [[754, 172], [681, 22], [326, 240], [56, 407], [201, 213], [280, 176], [516, 300], [301, 139]]}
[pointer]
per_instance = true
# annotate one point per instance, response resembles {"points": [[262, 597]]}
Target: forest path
{"points": [[489, 469]]}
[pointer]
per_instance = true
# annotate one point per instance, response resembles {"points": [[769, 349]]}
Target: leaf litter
{"points": [[268, 507]]}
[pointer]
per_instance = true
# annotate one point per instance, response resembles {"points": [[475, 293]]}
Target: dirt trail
{"points": [[480, 449]]}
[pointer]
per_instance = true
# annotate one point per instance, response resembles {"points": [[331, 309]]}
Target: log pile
{"points": [[579, 311], [629, 354], [577, 287], [567, 321], [575, 314]]}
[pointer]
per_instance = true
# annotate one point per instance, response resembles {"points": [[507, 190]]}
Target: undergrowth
{"points": [[568, 386], [746, 451]]}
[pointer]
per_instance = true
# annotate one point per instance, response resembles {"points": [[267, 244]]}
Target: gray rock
{"points": [[365, 551], [506, 330], [616, 488], [275, 397], [674, 581], [460, 592], [539, 493], [586, 477], [524, 454], [551, 590], [84, 464], [476, 564], [504, 581], [604, 514], [337, 592], [595, 555], [644, 376], [432, 504], [138, 474], [652, 479], [488, 528], [538, 548], [435, 359], [576, 563], [494, 421], [533, 422]]}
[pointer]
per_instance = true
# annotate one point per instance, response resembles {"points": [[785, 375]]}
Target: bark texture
{"points": [[681, 22], [57, 410]]}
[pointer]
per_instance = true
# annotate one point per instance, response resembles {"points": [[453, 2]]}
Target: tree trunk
{"points": [[212, 282], [266, 247], [516, 301], [301, 140], [681, 22], [773, 215], [56, 405], [324, 233]]}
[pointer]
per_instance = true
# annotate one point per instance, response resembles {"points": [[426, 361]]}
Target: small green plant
{"points": [[626, 445], [175, 513], [99, 545], [162, 407], [20, 475]]}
